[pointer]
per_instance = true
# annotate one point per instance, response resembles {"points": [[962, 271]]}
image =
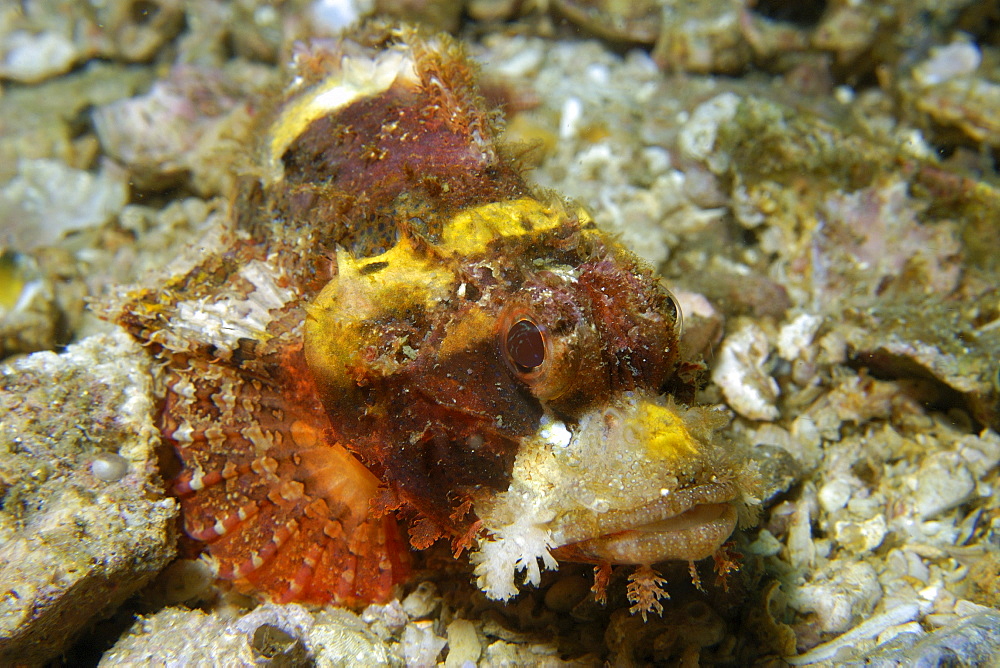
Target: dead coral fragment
{"points": [[742, 375]]}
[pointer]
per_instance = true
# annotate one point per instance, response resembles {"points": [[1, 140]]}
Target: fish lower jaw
{"points": [[688, 524], [691, 535]]}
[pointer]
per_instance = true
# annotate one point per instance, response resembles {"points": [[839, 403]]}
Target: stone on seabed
{"points": [[74, 546]]}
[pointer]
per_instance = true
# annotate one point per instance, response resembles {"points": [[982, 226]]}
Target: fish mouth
{"points": [[685, 524]]}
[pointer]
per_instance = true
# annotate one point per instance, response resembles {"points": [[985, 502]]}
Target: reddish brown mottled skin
{"points": [[394, 326]]}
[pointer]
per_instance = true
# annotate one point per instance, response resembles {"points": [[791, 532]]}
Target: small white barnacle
{"points": [[554, 432], [109, 466]]}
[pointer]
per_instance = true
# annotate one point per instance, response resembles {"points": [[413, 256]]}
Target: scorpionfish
{"points": [[396, 329]]}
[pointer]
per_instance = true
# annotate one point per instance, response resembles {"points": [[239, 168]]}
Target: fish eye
{"points": [[536, 351], [524, 345]]}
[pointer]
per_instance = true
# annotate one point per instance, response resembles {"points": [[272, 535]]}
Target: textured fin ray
{"points": [[282, 509]]}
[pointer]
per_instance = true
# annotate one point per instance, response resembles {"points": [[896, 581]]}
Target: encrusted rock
{"points": [[43, 296], [192, 124], [463, 644], [47, 199], [421, 645], [422, 601], [73, 546], [185, 636], [46, 38], [840, 596], [270, 635], [340, 638]]}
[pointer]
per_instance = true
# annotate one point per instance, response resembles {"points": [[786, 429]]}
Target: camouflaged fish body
{"points": [[397, 326]]}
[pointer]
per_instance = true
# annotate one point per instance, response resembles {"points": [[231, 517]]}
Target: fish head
{"points": [[515, 363]]}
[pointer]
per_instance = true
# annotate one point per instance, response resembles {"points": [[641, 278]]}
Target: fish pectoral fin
{"points": [[282, 508]]}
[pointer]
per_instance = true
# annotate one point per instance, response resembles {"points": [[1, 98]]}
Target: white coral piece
{"points": [[742, 375], [516, 547]]}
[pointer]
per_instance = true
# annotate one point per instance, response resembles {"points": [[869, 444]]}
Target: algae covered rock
{"points": [[270, 635], [84, 523]]}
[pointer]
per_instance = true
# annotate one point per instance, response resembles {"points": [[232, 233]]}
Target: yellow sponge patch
{"points": [[472, 230], [346, 317], [666, 435]]}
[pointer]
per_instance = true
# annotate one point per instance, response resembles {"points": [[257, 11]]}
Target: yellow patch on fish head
{"points": [[666, 435], [472, 230], [367, 295]]}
